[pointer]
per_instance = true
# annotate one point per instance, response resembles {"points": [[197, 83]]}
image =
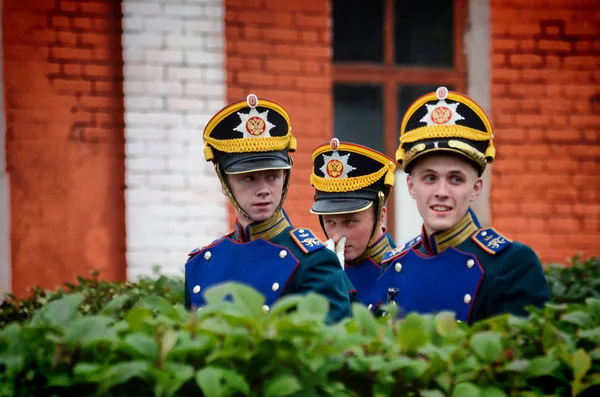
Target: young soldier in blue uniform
{"points": [[248, 141], [446, 140], [352, 184]]}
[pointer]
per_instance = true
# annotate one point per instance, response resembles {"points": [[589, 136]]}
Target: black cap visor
{"points": [[240, 163]]}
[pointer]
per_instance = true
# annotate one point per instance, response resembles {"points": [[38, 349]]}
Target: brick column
{"points": [[282, 50], [174, 83], [64, 139], [546, 112]]}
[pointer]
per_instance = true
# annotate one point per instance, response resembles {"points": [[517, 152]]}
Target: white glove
{"points": [[337, 249]]}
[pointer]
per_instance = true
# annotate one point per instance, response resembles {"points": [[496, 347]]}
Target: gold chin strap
{"points": [[225, 186], [378, 211], [286, 185]]}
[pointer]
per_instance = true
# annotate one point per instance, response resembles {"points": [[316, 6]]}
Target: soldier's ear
{"points": [[477, 188], [411, 186], [383, 215]]}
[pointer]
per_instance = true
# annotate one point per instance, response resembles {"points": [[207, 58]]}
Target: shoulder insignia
{"points": [[491, 241], [306, 240], [400, 250]]}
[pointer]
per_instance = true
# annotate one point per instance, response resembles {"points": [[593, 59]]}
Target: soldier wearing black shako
{"points": [[446, 141], [248, 141], [352, 184]]}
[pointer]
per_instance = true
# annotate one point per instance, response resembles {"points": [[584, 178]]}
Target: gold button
{"points": [[265, 308], [467, 299], [470, 263], [301, 231], [196, 289], [398, 267], [207, 255], [484, 233], [282, 254], [370, 306], [275, 287]]}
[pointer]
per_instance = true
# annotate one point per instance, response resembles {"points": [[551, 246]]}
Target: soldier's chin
{"points": [[261, 215]]}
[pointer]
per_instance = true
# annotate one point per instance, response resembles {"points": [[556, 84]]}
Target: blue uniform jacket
{"points": [[364, 271], [475, 272], [273, 257]]}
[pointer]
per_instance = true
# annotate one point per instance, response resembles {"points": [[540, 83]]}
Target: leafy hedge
{"points": [[137, 344], [96, 294]]}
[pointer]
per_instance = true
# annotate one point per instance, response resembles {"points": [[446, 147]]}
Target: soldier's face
{"points": [[258, 193], [356, 227], [443, 186]]}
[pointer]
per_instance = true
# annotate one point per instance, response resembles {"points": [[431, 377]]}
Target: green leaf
{"points": [[591, 334], [160, 306], [282, 385], [123, 372], [168, 341], [285, 305], [210, 381], [445, 323], [114, 305], [136, 317], [365, 320], [88, 330], [487, 346], [181, 372], [578, 318], [88, 372], [541, 366], [518, 365], [141, 346], [593, 305], [246, 298], [581, 365], [466, 389], [431, 393], [59, 313], [314, 304], [491, 391], [413, 332]]}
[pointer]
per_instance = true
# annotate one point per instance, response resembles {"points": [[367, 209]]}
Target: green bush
{"points": [[233, 348], [575, 282], [96, 294], [136, 339]]}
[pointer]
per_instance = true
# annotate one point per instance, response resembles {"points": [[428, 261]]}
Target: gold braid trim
{"points": [[252, 145], [228, 192], [444, 131], [339, 185]]}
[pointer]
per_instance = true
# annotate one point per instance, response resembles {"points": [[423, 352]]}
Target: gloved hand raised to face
{"points": [[337, 248]]}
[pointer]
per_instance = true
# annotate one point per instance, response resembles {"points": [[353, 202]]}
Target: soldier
{"points": [[446, 140], [248, 141], [352, 184]]}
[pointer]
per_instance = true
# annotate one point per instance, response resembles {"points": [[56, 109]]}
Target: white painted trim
{"points": [[477, 46], [5, 274]]}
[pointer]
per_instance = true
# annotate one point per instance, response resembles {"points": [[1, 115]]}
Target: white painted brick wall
{"points": [[174, 54]]}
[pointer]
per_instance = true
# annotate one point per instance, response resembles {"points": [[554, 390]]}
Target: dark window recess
{"points": [[424, 33], [358, 114], [357, 31]]}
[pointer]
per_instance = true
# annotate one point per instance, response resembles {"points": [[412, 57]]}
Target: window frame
{"points": [[391, 76]]}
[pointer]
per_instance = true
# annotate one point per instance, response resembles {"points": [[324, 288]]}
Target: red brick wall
{"points": [[546, 114], [65, 143], [281, 50]]}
